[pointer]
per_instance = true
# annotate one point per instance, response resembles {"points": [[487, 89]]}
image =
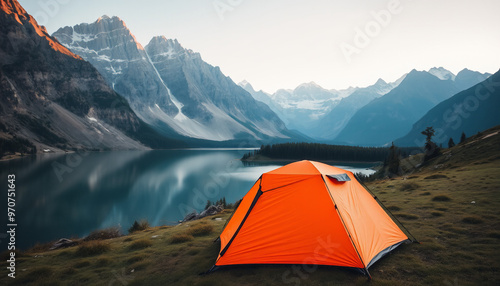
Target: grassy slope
{"points": [[459, 239]]}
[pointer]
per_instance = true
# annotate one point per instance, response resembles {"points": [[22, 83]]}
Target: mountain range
{"points": [[53, 98], [308, 105], [391, 116], [94, 86], [470, 111], [170, 87]]}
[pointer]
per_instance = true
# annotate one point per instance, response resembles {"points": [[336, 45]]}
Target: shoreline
{"points": [[272, 160]]}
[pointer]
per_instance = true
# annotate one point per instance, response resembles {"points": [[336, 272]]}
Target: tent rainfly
{"points": [[309, 213]]}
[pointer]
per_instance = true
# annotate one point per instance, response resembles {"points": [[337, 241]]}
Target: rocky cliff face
{"points": [[210, 98], [113, 50], [170, 87], [53, 97]]}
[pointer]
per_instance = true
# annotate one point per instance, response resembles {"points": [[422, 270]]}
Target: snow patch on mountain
{"points": [[442, 73], [171, 87]]}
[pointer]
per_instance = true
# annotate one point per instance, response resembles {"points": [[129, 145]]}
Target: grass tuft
{"points": [[135, 259], [437, 213], [201, 229], [494, 234], [472, 220], [69, 271], [40, 247], [102, 234], [103, 261], [393, 208], [82, 264], [141, 243], [441, 198], [92, 248], [433, 177], [40, 272], [180, 238], [406, 216], [409, 186]]}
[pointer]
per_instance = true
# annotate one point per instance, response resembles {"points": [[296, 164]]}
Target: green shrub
{"points": [[138, 226]]}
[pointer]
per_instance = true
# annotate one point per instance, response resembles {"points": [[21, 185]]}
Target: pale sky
{"points": [[280, 44]]}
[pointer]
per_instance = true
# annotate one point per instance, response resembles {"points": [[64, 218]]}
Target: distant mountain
{"points": [[171, 87], [258, 95], [392, 115], [470, 111], [54, 99], [330, 125], [441, 73], [299, 108], [467, 78]]}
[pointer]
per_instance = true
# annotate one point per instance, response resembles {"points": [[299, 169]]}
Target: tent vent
{"points": [[339, 177]]}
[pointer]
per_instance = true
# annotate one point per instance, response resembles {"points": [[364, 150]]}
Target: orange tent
{"points": [[308, 213]]}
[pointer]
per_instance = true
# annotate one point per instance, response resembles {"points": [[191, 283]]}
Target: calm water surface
{"points": [[66, 195]]}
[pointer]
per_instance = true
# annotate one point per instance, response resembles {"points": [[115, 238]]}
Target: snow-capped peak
{"points": [[311, 84], [442, 73], [245, 84], [381, 82], [103, 17]]}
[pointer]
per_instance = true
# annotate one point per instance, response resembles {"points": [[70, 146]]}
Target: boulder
{"points": [[63, 243]]}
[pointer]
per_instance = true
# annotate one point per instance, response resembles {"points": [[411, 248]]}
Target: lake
{"points": [[70, 195]]}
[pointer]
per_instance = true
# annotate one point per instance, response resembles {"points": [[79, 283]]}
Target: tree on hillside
{"points": [[431, 149], [451, 143], [392, 160], [462, 138], [209, 203]]}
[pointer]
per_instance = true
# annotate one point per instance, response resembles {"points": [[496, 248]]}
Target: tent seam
{"points": [[345, 227]]}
